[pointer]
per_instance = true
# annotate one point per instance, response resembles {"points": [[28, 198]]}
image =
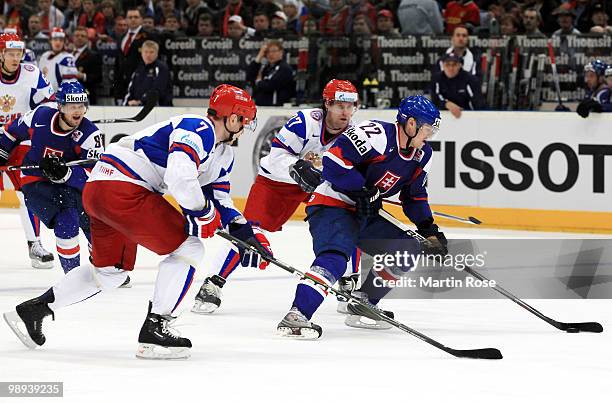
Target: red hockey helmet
{"points": [[11, 41], [340, 90], [57, 33], [227, 100]]}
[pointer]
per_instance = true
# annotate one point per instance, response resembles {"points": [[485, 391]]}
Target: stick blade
{"points": [[474, 220], [479, 353], [590, 327]]}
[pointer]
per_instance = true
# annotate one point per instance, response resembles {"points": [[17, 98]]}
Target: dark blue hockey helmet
{"points": [[421, 109], [608, 72], [71, 92], [597, 66]]}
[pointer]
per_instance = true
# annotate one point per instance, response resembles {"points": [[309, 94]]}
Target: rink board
{"points": [[542, 171]]}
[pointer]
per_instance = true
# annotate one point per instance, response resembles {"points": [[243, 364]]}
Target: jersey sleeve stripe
{"points": [[335, 154], [193, 155], [276, 143]]}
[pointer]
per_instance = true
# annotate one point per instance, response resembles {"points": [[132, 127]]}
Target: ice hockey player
{"points": [[286, 178], [598, 94], [372, 160], [123, 198], [58, 133], [22, 88], [57, 64]]}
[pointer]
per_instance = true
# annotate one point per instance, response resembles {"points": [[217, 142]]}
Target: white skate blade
{"points": [[203, 308], [13, 320], [303, 333], [155, 352], [362, 322], [38, 264], [342, 308]]}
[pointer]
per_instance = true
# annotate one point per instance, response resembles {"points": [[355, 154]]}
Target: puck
{"points": [[572, 330]]}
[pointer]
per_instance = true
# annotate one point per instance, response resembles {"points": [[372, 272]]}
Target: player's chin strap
{"points": [[231, 138], [408, 150]]}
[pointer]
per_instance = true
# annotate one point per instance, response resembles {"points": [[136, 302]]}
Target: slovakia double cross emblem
{"points": [[387, 181]]}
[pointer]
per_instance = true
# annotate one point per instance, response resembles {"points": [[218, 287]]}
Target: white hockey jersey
{"points": [[29, 89], [303, 133], [177, 156], [58, 67]]}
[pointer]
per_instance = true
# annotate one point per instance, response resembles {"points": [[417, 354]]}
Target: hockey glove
{"points": [[588, 105], [438, 245], [202, 223], [54, 168], [258, 240], [306, 175], [367, 202]]}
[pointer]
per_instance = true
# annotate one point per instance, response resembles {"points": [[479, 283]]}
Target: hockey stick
{"points": [[469, 220], [551, 54], [152, 99], [68, 164], [482, 353], [593, 327]]}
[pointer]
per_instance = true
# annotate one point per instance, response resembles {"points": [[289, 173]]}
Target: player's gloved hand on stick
{"points": [[306, 175], [438, 245], [54, 168], [202, 223], [587, 106], [257, 239], [367, 202]]}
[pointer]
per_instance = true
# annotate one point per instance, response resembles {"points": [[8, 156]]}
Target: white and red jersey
{"points": [[58, 67], [22, 94], [303, 133]]}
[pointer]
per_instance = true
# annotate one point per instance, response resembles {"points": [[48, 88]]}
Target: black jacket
{"points": [[152, 77], [277, 84], [463, 90], [125, 65]]}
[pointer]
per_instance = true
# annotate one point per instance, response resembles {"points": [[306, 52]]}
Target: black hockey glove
{"points": [[306, 175], [438, 245], [587, 106], [367, 202], [245, 233], [54, 169]]}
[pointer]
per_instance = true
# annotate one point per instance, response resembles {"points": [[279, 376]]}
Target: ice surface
{"points": [[238, 358]]}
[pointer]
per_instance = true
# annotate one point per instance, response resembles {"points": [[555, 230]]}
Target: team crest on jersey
{"points": [[316, 115], [52, 151], [76, 135], [8, 101], [28, 67], [387, 181]]}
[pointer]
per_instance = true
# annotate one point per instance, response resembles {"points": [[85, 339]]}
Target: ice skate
{"points": [[346, 284], [40, 257], [208, 298], [295, 325], [159, 341], [363, 318], [127, 283], [30, 314]]}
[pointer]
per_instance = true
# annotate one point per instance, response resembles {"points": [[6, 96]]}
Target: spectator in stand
{"points": [[151, 75], [269, 6], [35, 28], [234, 7], [206, 26], [165, 8], [597, 96], [454, 89], [72, 15], [291, 8], [109, 13], [531, 23], [317, 8], [420, 17], [88, 63], [172, 26], [236, 28], [334, 21], [92, 18], [459, 46], [50, 16], [191, 15], [600, 21], [508, 24], [148, 23], [17, 16], [128, 55], [461, 12], [361, 25], [385, 24], [261, 24], [357, 7], [273, 82], [565, 19], [120, 28], [582, 10], [309, 27], [278, 23]]}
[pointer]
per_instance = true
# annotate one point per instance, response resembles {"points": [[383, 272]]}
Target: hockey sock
{"points": [[231, 261], [375, 294], [327, 269], [66, 230]]}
